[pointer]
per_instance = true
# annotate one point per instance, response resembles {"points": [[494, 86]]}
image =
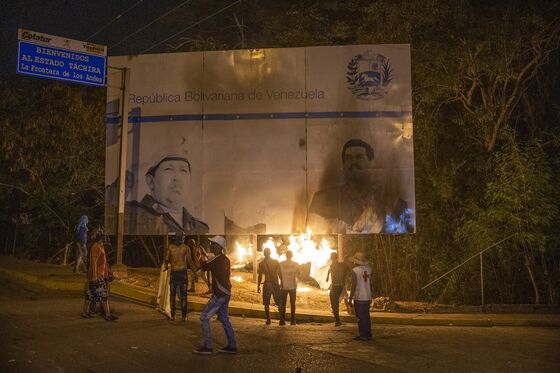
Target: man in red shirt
{"points": [[98, 275], [219, 265]]}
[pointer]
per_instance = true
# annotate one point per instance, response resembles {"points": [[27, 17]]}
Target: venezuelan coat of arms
{"points": [[369, 76]]}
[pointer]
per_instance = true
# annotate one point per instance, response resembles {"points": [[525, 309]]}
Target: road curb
{"points": [[148, 298]]}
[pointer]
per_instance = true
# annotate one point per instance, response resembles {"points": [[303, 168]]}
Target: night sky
{"points": [[78, 19]]}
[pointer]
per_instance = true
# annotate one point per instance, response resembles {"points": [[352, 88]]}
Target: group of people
{"points": [[181, 257], [280, 281]]}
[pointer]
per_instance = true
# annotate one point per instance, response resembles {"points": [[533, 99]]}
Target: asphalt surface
{"points": [[41, 331]]}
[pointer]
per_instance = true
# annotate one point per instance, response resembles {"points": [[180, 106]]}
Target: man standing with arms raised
{"points": [[219, 265]]}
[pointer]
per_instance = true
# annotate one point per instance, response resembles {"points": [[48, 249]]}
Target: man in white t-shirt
{"points": [[360, 295], [289, 271]]}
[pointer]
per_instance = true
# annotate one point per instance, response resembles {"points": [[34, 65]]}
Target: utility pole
{"points": [[119, 269]]}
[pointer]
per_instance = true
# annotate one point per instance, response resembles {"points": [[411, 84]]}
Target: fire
{"points": [[305, 250], [242, 253], [237, 278]]}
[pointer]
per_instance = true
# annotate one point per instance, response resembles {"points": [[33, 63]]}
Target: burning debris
{"points": [[313, 257]]}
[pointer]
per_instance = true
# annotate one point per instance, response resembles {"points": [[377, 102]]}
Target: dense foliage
{"points": [[485, 86]]}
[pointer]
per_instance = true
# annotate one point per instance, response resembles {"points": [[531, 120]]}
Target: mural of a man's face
{"points": [[169, 183], [356, 164]]}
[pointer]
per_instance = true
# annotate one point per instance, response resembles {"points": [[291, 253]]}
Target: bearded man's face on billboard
{"points": [[356, 164]]}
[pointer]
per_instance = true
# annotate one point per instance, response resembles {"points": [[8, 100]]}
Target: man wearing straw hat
{"points": [[360, 295]]}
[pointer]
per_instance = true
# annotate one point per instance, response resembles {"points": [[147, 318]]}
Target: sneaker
{"points": [[111, 318], [337, 323], [282, 323], [228, 350], [293, 322], [203, 351], [268, 322], [184, 318]]}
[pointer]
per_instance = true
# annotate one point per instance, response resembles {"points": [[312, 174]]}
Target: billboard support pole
{"points": [[119, 269], [255, 258]]}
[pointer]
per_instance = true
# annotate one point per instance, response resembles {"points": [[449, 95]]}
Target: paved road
{"points": [[42, 332]]}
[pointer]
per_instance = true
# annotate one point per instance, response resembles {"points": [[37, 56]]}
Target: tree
{"points": [[52, 157]]}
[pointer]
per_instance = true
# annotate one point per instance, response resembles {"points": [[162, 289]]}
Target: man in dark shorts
{"points": [[338, 272], [270, 268]]}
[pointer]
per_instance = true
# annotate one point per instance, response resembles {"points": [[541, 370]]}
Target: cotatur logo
{"points": [[95, 48], [33, 36]]}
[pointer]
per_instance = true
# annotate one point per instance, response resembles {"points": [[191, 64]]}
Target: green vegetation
{"points": [[486, 82]]}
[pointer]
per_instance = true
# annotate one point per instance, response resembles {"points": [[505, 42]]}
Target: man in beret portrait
{"points": [[163, 210]]}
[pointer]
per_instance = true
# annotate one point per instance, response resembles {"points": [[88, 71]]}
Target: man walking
{"points": [[219, 265], [178, 259], [81, 248], [361, 295], [289, 271], [98, 277], [270, 268], [338, 271]]}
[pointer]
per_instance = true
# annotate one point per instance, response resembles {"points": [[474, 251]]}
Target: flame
{"points": [[304, 248], [403, 224], [241, 253], [237, 278]]}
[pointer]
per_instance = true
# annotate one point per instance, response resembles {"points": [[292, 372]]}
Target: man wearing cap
{"points": [[219, 265], [360, 295], [162, 211], [179, 259]]}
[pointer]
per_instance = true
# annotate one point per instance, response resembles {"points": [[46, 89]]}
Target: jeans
{"points": [[364, 320], [178, 281], [292, 294], [217, 305], [334, 296]]}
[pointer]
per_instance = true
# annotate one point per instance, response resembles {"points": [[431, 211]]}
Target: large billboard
{"points": [[265, 141]]}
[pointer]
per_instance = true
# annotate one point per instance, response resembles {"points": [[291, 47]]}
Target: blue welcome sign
{"points": [[54, 57]]}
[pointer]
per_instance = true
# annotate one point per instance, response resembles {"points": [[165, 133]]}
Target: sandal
{"points": [[111, 318]]}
